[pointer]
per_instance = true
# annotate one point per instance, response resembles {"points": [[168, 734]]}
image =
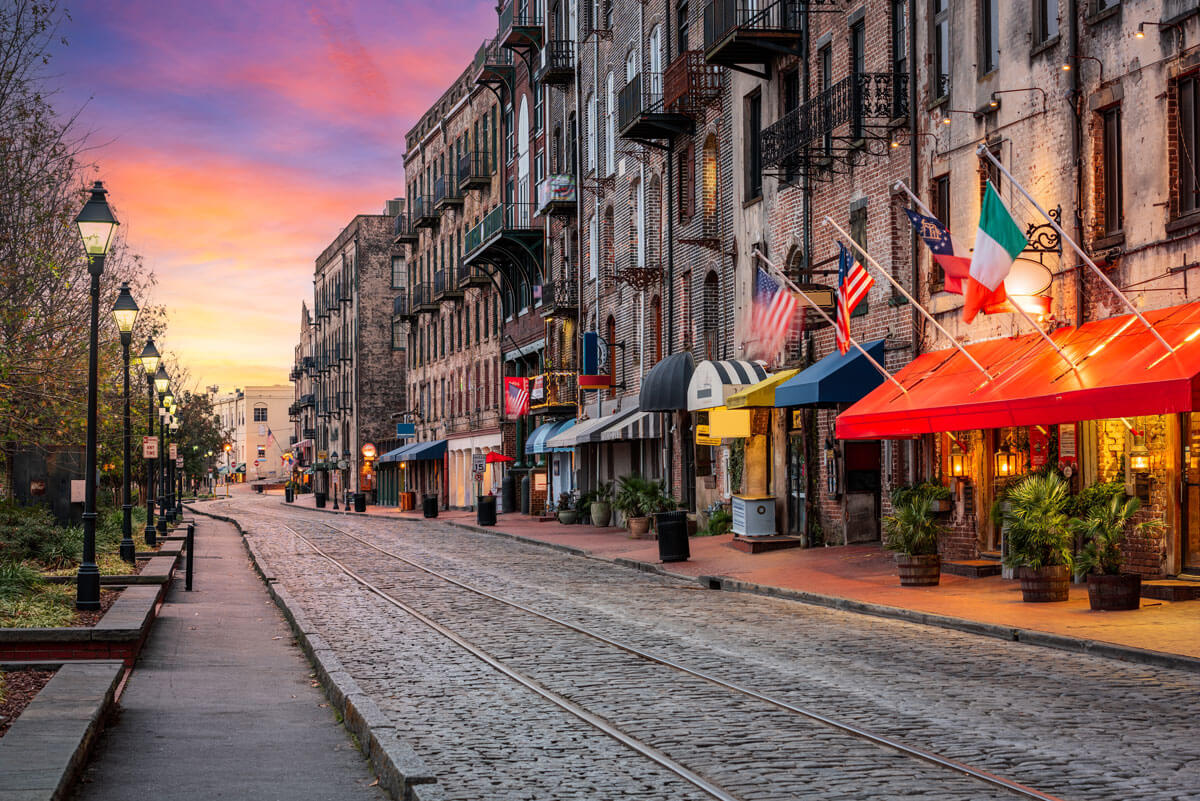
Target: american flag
{"points": [[516, 396], [774, 307], [853, 284]]}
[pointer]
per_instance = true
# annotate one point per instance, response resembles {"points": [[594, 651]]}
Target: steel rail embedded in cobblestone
{"points": [[578, 711], [842, 726]]}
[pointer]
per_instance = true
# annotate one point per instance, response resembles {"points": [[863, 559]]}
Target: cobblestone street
{"points": [[1069, 725]]}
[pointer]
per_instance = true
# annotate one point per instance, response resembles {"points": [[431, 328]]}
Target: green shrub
{"points": [[22, 531], [719, 522], [61, 547], [934, 491], [1038, 533], [17, 579], [911, 530]]}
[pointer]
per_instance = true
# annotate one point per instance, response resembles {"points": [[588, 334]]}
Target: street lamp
{"points": [[177, 486], [96, 225], [125, 313], [161, 477], [150, 363]]}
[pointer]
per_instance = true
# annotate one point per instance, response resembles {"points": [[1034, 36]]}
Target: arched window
{"points": [[656, 321], [610, 126], [593, 143], [710, 320], [608, 238], [637, 252], [652, 225], [708, 187]]}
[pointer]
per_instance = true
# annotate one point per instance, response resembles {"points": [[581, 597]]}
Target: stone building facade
{"points": [[303, 411]]}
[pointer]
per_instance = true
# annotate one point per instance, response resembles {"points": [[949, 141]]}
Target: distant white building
{"points": [[259, 430]]}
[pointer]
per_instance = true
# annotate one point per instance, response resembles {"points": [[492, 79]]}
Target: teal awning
{"points": [[837, 378], [537, 440]]}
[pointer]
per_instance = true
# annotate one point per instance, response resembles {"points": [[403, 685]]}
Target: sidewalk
{"points": [[220, 704], [864, 578]]}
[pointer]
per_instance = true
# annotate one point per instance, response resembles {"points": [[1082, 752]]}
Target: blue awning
{"points": [[537, 440], [838, 378], [394, 454], [423, 451]]}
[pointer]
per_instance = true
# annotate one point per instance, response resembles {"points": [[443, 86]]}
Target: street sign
{"points": [[478, 465], [173, 450], [149, 447], [406, 430], [179, 462]]}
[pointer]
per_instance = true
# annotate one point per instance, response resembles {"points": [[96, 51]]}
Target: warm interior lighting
{"points": [[96, 222], [994, 101], [1139, 460], [1066, 67], [125, 310], [958, 462], [1141, 31], [946, 120]]}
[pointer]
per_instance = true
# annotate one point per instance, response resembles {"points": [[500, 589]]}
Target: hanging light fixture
{"points": [[958, 460]]}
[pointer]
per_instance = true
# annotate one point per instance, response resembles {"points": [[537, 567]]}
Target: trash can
{"points": [[672, 536], [289, 494], [508, 492], [429, 504], [360, 501], [485, 510], [320, 498]]}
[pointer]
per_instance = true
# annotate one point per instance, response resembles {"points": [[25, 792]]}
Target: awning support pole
{"points": [[985, 153], [1032, 322], [792, 285], [911, 299]]}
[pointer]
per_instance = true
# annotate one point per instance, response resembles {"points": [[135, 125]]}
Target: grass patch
{"points": [[44, 606]]}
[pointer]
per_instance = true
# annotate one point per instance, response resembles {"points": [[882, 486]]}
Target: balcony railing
{"points": [[493, 63], [557, 194], [641, 113], [402, 232], [422, 298], [401, 307], [469, 275], [439, 284], [423, 213], [558, 62], [309, 433], [560, 297], [306, 400], [474, 171], [689, 83], [520, 24], [856, 102], [515, 217], [446, 192], [751, 31], [559, 388]]}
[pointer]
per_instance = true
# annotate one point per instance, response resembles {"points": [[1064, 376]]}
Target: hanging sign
{"points": [[702, 437], [406, 430], [149, 447], [516, 396], [1039, 446], [537, 389], [173, 451], [1067, 454]]}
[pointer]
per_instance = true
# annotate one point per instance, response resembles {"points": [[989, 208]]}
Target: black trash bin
{"points": [[672, 536], [429, 504], [289, 494], [485, 511], [360, 501], [320, 498]]}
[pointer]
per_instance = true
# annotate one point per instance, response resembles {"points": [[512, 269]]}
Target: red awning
{"points": [[1123, 372]]}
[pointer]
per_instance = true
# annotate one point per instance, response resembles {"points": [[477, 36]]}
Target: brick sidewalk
{"points": [[866, 574]]}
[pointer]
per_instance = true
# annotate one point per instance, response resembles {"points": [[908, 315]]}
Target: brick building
{"points": [[303, 411], [358, 377]]}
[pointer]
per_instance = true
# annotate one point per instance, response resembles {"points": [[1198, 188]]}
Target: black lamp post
{"points": [[162, 467], [96, 225], [150, 359], [176, 487], [125, 313]]}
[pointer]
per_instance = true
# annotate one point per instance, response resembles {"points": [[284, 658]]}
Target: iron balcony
{"points": [[423, 213], [642, 115], [558, 63], [422, 299], [446, 193], [402, 232], [493, 65], [520, 25], [560, 298], [444, 286], [505, 230], [473, 171], [557, 194], [469, 276], [753, 32], [401, 308]]}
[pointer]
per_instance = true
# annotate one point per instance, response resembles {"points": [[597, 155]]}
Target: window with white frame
{"points": [[610, 127], [593, 143]]}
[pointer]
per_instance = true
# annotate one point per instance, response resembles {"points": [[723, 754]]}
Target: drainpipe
{"points": [[1076, 154], [670, 184], [913, 181]]}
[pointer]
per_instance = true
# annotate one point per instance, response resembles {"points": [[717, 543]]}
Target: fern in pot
{"points": [[1039, 537], [566, 509], [601, 504], [1103, 530], [630, 501], [913, 534]]}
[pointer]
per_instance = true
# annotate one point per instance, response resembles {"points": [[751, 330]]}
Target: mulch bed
{"points": [[87, 618], [20, 686]]}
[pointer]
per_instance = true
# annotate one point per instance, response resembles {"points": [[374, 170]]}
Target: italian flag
{"points": [[998, 242]]}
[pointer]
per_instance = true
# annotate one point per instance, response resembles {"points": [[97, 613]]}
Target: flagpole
{"points": [[1028, 318], [911, 299], [983, 151], [792, 285]]}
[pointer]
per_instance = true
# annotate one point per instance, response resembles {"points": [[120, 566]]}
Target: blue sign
{"points": [[591, 353], [406, 429]]}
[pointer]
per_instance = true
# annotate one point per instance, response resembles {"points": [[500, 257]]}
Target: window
{"points": [[858, 47], [899, 28], [686, 168], [397, 335], [941, 209], [593, 248], [610, 127], [260, 414], [495, 136], [1112, 167], [858, 232], [657, 345], [1187, 157], [753, 146], [610, 333], [989, 35], [262, 452], [940, 48], [1045, 21], [398, 270], [510, 148], [989, 172], [681, 25], [1104, 5], [825, 59], [593, 144]]}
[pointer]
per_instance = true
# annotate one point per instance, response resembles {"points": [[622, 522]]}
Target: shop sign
{"points": [[537, 387], [173, 451], [702, 437], [149, 447], [179, 462], [322, 456], [406, 430], [368, 450], [1067, 454], [797, 419], [1039, 447]]}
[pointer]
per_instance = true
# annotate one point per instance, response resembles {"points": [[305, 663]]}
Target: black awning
{"points": [[665, 387]]}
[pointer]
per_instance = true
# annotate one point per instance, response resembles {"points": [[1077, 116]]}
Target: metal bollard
{"points": [[191, 547]]}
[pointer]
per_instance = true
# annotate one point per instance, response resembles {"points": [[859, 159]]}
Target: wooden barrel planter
{"points": [[1114, 593], [1043, 584], [919, 571]]}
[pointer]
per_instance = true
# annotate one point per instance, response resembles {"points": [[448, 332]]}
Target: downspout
{"points": [[1076, 154], [913, 181], [668, 464]]}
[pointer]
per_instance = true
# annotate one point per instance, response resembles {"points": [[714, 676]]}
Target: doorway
{"points": [[1191, 497], [863, 485]]}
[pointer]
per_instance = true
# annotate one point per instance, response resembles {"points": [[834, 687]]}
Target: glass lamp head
{"points": [[96, 222], [162, 381], [125, 310], [150, 358]]}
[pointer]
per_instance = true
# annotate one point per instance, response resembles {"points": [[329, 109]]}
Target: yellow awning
{"points": [[728, 423], [760, 394]]}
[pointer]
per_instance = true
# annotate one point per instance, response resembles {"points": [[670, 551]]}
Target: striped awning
{"points": [[538, 439], [713, 382], [643, 425], [587, 431]]}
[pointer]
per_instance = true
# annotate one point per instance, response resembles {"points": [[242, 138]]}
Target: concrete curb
{"points": [[400, 770], [48, 745], [1124, 653]]}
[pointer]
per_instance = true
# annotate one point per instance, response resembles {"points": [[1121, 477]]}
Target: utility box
{"points": [[754, 515], [44, 477]]}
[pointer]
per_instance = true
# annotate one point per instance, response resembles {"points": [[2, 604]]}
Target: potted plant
{"points": [[601, 506], [630, 501], [1101, 559], [913, 535], [939, 495], [583, 504], [1039, 537], [566, 509]]}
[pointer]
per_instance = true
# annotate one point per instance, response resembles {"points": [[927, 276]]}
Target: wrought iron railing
{"points": [[473, 168], [519, 14], [689, 82], [421, 296], [559, 295], [400, 307], [400, 227], [723, 17], [445, 190], [422, 210], [558, 59], [510, 217], [439, 283], [559, 388], [642, 95], [490, 56]]}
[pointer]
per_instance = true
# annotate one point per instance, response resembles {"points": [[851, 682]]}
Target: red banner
{"points": [[516, 396]]}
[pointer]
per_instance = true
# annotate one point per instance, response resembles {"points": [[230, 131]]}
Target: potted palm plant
{"points": [[912, 533], [601, 508], [566, 509], [632, 493], [1039, 537], [1101, 559]]}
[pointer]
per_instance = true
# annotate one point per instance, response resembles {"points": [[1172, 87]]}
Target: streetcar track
{"points": [[857, 732]]}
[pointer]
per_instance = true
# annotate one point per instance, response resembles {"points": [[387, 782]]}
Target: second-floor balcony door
{"points": [[655, 84]]}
